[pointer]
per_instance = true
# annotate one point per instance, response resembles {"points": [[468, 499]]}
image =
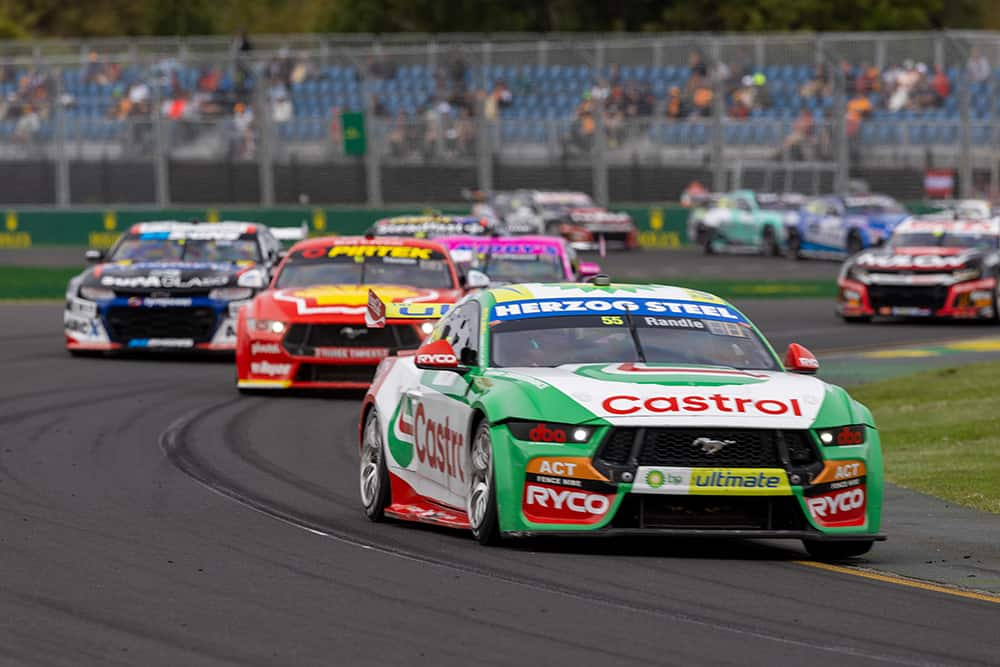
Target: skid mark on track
{"points": [[173, 443]]}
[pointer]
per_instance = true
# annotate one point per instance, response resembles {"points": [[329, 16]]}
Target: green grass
{"points": [[34, 282], [754, 289], [941, 432]]}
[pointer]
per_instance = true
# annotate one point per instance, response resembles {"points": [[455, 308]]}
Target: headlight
{"points": [[254, 278], [426, 328], [968, 273], [266, 326], [860, 275], [557, 434], [843, 435], [230, 293], [97, 293]]}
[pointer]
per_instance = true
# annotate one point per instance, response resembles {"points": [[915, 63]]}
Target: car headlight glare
{"points": [[254, 278], [266, 326], [230, 293], [556, 434], [842, 435], [857, 274], [426, 328], [97, 293]]}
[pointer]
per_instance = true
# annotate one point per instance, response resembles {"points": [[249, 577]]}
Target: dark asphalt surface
{"points": [[150, 516]]}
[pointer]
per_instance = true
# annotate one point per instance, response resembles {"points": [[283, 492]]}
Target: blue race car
{"points": [[169, 286], [837, 226]]}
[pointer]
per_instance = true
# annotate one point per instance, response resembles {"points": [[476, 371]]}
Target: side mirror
{"points": [[93, 256], [589, 270], [476, 280], [800, 360], [437, 355]]}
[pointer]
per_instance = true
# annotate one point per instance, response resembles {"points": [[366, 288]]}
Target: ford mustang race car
{"points": [[744, 221], [169, 286], [309, 331], [931, 267], [508, 259], [603, 409], [833, 227], [430, 226]]}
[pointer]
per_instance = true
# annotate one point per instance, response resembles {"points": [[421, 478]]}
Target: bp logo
{"points": [[655, 479]]}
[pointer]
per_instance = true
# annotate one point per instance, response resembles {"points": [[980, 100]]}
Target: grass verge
{"points": [[941, 432], [34, 282], [38, 282]]}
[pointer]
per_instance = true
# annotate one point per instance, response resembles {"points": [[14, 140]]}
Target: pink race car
{"points": [[519, 259]]}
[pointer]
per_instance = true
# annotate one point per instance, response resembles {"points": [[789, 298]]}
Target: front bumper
{"points": [[545, 489], [966, 300], [581, 238], [144, 324]]}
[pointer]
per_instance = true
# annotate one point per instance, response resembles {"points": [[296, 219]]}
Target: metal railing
{"points": [[427, 103]]}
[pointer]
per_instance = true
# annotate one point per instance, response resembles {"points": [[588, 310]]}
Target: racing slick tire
{"points": [[856, 319], [794, 246], [376, 492], [854, 243], [482, 496], [706, 238], [837, 550], [769, 243]]}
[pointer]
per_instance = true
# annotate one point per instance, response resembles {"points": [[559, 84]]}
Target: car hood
{"points": [[629, 394], [172, 276], [323, 302]]}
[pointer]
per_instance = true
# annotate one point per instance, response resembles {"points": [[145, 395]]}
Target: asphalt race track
{"points": [[151, 516]]}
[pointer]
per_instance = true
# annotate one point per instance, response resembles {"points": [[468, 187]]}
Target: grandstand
{"points": [[659, 100]]}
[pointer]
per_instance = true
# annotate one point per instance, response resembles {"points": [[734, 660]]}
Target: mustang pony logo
{"points": [[710, 446]]}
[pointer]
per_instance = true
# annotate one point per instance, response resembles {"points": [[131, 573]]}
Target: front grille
{"points": [[743, 448], [611, 237], [908, 296], [126, 324], [302, 339], [335, 373], [709, 512]]}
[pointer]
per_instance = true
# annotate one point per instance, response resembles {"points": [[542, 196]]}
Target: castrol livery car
{"points": [[308, 330], [604, 409], [431, 226], [518, 259], [169, 286], [933, 267]]}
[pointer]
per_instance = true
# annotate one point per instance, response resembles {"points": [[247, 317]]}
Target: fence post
{"points": [[484, 148], [599, 171], [373, 174], [62, 155], [842, 153], [265, 156], [161, 163], [965, 132], [718, 115]]}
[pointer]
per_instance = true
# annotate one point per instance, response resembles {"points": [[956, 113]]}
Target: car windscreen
{"points": [[945, 239], [521, 268], [366, 264], [582, 339], [873, 206], [163, 248]]}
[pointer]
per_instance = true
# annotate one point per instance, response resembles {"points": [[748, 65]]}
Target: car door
{"points": [[831, 228], [743, 230], [441, 413]]}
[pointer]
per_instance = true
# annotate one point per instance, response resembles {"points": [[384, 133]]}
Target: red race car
{"points": [[308, 330]]}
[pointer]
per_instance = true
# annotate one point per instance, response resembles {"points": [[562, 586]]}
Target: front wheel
{"points": [[794, 245], [482, 496], [374, 475], [706, 236], [837, 550], [854, 243]]}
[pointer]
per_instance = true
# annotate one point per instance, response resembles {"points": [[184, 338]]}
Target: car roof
{"points": [[201, 228], [962, 225], [326, 241], [433, 217], [533, 291], [503, 241]]}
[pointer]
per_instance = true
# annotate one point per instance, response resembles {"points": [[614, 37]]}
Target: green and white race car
{"points": [[745, 221], [604, 409]]}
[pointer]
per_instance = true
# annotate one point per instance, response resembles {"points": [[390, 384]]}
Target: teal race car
{"points": [[602, 409], [745, 221]]}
